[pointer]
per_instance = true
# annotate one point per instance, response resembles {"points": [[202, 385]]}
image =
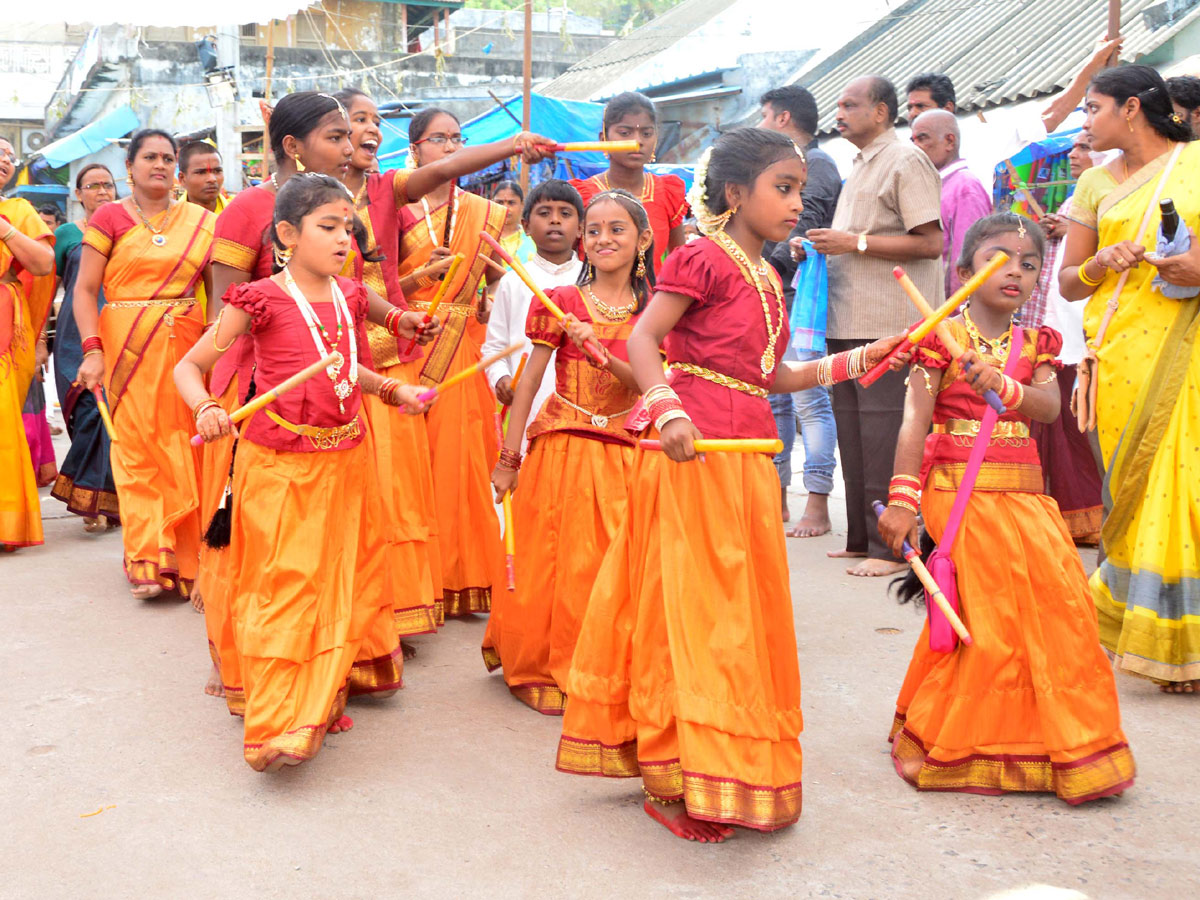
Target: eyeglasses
{"points": [[440, 140], [99, 186], [10, 156]]}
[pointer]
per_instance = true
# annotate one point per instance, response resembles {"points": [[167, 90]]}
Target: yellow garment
{"points": [[1147, 591]]}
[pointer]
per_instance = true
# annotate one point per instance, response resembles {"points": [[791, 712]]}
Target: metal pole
{"points": [[229, 53], [527, 86]]}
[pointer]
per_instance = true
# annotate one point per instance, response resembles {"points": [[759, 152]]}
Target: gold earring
{"points": [[654, 156], [641, 266], [1129, 122], [129, 178], [299, 164], [283, 256], [723, 218]]}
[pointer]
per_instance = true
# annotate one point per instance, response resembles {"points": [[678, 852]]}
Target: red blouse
{"points": [[281, 346], [576, 380], [725, 331], [665, 199], [1011, 463]]}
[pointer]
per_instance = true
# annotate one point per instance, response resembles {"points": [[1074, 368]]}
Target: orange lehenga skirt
{"points": [[1031, 705], [685, 671], [20, 505], [155, 469], [408, 508], [463, 450], [571, 500], [300, 607]]}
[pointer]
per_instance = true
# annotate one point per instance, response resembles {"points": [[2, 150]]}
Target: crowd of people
{"points": [[646, 598]]}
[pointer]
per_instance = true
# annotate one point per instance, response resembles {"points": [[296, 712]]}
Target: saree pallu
{"points": [[37, 433], [1069, 467], [1031, 705], [462, 436], [573, 498], [685, 671], [298, 622], [1147, 590]]}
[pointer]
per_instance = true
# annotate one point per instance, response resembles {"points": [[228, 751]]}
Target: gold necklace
{"points": [[755, 276], [159, 239], [617, 314], [997, 348]]}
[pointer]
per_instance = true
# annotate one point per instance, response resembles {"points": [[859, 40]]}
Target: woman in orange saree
{"points": [[148, 253], [26, 293], [462, 439]]}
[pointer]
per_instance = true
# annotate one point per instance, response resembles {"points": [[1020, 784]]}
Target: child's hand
{"points": [[213, 424], [408, 396], [504, 392], [579, 332], [878, 350], [896, 525], [410, 324], [978, 375], [504, 481], [678, 439]]}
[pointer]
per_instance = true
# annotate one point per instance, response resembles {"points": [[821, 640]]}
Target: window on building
{"points": [[250, 33]]}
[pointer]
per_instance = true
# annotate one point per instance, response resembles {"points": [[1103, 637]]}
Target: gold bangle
{"points": [[90, 352], [904, 504], [12, 229], [1083, 276], [670, 416]]}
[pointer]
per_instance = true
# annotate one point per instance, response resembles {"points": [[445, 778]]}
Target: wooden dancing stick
{"points": [[917, 332], [467, 373], [943, 331], [105, 415], [510, 543], [597, 147], [593, 349], [261, 400], [1024, 189], [437, 298], [914, 560], [773, 446]]}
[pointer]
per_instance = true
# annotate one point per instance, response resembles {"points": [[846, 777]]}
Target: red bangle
{"points": [[841, 367], [661, 405], [91, 343], [509, 459]]}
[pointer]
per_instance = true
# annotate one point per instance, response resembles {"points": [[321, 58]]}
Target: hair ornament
{"points": [[708, 222], [1176, 119]]}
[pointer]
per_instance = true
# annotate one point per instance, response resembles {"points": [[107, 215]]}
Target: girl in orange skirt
{"points": [[303, 484], [685, 671], [1031, 704], [580, 457]]}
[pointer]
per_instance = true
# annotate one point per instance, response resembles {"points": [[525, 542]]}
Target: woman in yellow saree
{"points": [[26, 293], [462, 436], [1142, 394], [149, 253]]}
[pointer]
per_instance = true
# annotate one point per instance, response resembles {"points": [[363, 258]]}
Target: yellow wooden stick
{"points": [[510, 543], [468, 372], [444, 286], [969, 287], [939, 598], [598, 147], [105, 415], [725, 445]]}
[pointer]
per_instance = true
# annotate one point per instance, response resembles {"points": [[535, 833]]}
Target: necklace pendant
{"points": [[599, 421], [159, 240], [767, 363]]}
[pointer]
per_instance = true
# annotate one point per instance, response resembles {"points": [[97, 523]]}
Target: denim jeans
{"points": [[817, 430]]}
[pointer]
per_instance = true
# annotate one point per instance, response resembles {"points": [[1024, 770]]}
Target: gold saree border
{"points": [[491, 659], [415, 620], [1099, 774], [85, 502], [231, 253], [546, 698], [466, 601], [584, 757], [301, 744], [1027, 478], [726, 800], [383, 673], [1084, 524], [163, 571]]}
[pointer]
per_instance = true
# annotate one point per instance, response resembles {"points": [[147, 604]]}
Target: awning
{"points": [[91, 138]]}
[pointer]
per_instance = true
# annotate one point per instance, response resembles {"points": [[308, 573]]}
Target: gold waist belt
{"points": [[132, 304], [321, 438], [723, 380], [970, 428], [600, 420]]}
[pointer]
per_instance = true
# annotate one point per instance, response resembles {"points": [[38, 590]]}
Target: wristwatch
{"points": [[862, 243]]}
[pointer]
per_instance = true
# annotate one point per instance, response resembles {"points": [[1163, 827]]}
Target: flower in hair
{"points": [[708, 222]]}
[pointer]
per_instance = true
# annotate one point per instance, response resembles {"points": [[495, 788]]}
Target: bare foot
{"points": [[674, 816], [1180, 687], [787, 515], [409, 650], [815, 521], [215, 688], [98, 525], [876, 568], [197, 601], [845, 554], [344, 723], [145, 591]]}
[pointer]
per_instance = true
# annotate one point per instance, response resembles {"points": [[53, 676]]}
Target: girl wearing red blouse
{"points": [[685, 671], [580, 460], [632, 117], [1031, 704], [303, 486]]}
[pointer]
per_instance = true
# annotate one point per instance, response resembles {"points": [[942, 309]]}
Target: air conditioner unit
{"points": [[32, 141]]}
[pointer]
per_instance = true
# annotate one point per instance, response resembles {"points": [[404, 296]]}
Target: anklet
{"points": [[659, 800]]}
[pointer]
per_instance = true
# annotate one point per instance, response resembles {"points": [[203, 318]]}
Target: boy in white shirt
{"points": [[552, 218]]}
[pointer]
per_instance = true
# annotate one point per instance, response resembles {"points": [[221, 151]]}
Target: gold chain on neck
{"points": [[997, 348], [755, 275]]}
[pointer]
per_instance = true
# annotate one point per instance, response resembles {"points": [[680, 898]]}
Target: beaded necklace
{"points": [[617, 314], [341, 389], [755, 276]]}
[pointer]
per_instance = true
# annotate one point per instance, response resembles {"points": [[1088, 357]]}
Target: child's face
{"points": [[510, 201], [326, 234], [772, 206], [1010, 287], [636, 126], [327, 149], [553, 226], [610, 237]]}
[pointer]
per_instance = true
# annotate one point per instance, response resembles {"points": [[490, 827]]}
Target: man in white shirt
{"points": [[552, 218]]}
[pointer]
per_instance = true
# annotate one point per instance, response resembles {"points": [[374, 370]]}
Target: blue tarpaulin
{"points": [[91, 138]]}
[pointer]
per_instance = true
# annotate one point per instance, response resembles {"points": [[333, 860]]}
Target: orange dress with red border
{"points": [[685, 671], [1031, 705], [572, 496]]}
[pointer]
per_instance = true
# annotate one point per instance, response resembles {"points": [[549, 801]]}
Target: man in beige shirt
{"points": [[887, 215]]}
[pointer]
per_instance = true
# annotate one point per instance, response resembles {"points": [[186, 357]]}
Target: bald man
{"points": [[964, 198]]}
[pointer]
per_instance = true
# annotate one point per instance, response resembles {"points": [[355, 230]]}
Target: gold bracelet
{"points": [[90, 352], [1081, 272], [904, 504], [12, 229], [202, 406]]}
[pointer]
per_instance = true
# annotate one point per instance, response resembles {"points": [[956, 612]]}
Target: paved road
{"points": [[449, 789]]}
